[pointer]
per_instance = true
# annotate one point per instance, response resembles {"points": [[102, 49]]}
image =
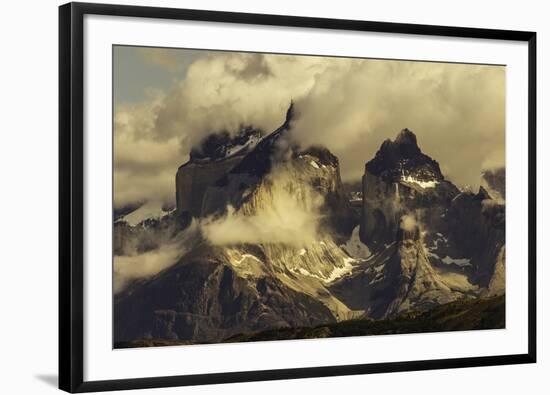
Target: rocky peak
{"points": [[406, 140], [257, 162], [220, 145], [482, 194], [398, 181], [322, 153], [402, 158], [290, 113]]}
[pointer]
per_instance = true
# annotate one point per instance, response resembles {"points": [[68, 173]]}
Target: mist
{"points": [[284, 212], [407, 223], [133, 265], [127, 268]]}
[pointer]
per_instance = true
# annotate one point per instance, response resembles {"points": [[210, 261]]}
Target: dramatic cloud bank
{"points": [[348, 105]]}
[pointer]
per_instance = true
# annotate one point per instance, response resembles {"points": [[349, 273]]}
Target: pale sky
{"points": [[166, 100], [139, 69]]}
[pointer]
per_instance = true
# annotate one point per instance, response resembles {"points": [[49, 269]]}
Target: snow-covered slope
{"points": [[149, 210]]}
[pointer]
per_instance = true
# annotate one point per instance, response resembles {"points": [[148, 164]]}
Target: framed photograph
{"points": [[251, 197]]}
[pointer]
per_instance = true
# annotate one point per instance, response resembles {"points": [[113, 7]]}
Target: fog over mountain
{"points": [[350, 106]]}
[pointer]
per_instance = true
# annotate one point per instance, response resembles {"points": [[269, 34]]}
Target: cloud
{"points": [[348, 105], [128, 268], [249, 67], [134, 266], [282, 212], [144, 166], [408, 223]]}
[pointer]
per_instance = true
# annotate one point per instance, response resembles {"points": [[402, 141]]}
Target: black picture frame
{"points": [[71, 198]]}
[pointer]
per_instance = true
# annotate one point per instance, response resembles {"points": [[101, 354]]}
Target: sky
{"points": [[167, 100]]}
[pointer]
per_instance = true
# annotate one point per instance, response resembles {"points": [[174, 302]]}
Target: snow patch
{"points": [[250, 143], [457, 261], [314, 164], [431, 254], [422, 184], [437, 241], [356, 197], [338, 272], [237, 262], [150, 210], [379, 277]]}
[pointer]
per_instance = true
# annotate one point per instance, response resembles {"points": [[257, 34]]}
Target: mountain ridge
{"points": [[416, 242]]}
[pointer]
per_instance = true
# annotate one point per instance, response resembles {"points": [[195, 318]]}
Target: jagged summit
{"points": [[290, 113], [482, 194], [399, 180], [258, 162], [221, 145], [406, 138], [402, 159]]}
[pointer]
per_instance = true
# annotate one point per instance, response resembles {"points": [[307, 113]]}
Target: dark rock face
{"points": [[275, 146], [477, 227], [193, 180], [209, 162], [218, 146], [201, 299], [340, 218]]}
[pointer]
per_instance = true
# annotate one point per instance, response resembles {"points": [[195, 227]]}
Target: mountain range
{"points": [[265, 236]]}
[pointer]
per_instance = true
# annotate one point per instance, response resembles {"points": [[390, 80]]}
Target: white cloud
{"points": [[408, 223], [128, 268], [282, 211], [136, 266]]}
